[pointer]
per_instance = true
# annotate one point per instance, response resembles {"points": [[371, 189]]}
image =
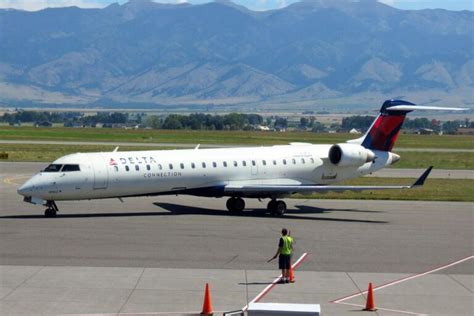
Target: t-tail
{"points": [[384, 131]]}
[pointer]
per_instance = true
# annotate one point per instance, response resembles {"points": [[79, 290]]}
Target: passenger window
{"points": [[214, 164], [274, 162], [181, 165], [148, 167], [284, 161], [225, 164], [253, 163], [204, 165], [293, 161], [244, 163], [302, 161], [116, 168], [160, 167], [264, 162], [235, 163], [68, 168], [137, 167], [127, 168], [171, 166], [193, 165], [312, 160], [52, 168]]}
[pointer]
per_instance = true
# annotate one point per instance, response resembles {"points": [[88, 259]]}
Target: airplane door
{"points": [[101, 174]]}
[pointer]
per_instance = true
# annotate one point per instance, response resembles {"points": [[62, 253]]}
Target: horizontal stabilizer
{"points": [[426, 108]]}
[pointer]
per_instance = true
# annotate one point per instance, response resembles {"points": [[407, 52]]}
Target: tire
{"points": [[49, 212], [239, 205], [280, 208], [230, 204], [271, 206]]}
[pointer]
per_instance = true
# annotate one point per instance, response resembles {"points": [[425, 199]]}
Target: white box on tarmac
{"points": [[282, 309]]}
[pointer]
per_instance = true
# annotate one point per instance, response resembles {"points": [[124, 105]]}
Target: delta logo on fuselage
{"points": [[147, 161]]}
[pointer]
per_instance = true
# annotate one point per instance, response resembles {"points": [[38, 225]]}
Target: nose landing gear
{"points": [[51, 210]]}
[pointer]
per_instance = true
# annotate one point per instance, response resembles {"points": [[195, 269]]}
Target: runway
{"points": [[179, 242]]}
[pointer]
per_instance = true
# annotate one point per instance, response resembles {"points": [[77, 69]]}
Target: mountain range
{"points": [[320, 53]]}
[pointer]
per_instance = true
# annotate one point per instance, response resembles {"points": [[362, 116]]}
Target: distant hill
{"points": [[312, 53]]}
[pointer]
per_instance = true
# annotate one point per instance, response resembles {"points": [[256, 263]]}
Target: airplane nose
{"points": [[26, 188]]}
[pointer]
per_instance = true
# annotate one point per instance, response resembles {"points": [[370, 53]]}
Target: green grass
{"points": [[439, 160], [433, 190], [218, 137]]}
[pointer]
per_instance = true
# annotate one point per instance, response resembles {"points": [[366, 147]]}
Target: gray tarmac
{"points": [[154, 255]]}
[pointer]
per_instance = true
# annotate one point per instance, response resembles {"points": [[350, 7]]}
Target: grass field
{"points": [[433, 190], [219, 137]]}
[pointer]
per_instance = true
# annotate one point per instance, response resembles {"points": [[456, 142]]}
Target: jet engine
{"points": [[344, 155]]}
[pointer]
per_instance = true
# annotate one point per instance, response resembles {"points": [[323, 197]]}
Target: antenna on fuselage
{"points": [[116, 149], [197, 147]]}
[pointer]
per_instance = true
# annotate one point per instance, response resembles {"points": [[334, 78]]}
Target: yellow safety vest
{"points": [[287, 248]]}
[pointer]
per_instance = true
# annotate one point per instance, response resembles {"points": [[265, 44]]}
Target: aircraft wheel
{"points": [[230, 204], [50, 212], [239, 205], [271, 206], [280, 208], [235, 204]]}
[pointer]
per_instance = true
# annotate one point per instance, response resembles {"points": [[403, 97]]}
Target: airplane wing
{"points": [[291, 189]]}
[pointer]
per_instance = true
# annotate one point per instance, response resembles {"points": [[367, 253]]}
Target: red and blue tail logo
{"points": [[384, 131]]}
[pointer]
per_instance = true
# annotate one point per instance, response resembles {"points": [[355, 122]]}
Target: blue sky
{"points": [[33, 5]]}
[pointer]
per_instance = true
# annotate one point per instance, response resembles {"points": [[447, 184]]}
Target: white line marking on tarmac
{"points": [[384, 309], [269, 287], [411, 277]]}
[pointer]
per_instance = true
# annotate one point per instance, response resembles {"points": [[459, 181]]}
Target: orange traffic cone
{"points": [[292, 275], [370, 305], [207, 306]]}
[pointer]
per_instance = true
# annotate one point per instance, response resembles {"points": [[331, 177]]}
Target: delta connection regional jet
{"points": [[250, 172]]}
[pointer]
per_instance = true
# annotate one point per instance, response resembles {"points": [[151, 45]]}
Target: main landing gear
{"points": [[277, 208], [51, 210], [235, 204], [274, 207]]}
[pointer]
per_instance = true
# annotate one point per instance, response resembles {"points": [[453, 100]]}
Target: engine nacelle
{"points": [[350, 155]]}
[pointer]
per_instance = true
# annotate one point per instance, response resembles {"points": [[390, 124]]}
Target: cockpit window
{"points": [[67, 168], [53, 168]]}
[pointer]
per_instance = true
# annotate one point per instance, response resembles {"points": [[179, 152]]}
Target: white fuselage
{"points": [[195, 171]]}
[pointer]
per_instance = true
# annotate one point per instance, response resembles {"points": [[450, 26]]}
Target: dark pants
{"points": [[284, 262]]}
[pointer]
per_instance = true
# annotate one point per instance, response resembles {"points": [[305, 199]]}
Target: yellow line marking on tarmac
{"points": [[10, 180]]}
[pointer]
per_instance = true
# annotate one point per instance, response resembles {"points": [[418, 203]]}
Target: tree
{"points": [[304, 122], [173, 121], [153, 121], [318, 127], [281, 122]]}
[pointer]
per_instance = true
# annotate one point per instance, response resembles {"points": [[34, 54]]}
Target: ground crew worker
{"points": [[285, 250]]}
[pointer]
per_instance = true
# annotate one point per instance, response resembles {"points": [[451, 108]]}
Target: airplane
{"points": [[268, 172]]}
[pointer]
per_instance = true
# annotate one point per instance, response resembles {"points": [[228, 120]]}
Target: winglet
{"points": [[422, 178]]}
